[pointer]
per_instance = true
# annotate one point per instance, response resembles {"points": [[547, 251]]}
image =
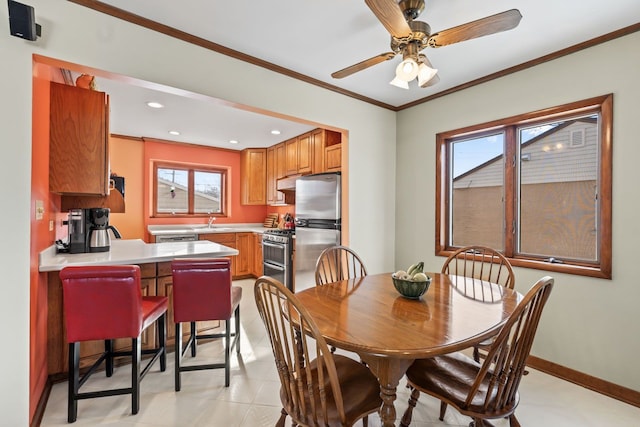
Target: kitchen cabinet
{"points": [[305, 153], [257, 254], [274, 197], [79, 135], [253, 176], [292, 156], [275, 171], [281, 160], [333, 158], [321, 140], [244, 259], [226, 239]]}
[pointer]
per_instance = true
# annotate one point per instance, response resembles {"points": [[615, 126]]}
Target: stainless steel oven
{"points": [[277, 254]]}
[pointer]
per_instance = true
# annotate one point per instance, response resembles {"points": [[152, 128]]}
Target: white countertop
{"points": [[133, 251], [163, 230]]}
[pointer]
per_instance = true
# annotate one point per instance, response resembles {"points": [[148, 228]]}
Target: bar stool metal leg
{"points": [[177, 356], [74, 379], [135, 374]]}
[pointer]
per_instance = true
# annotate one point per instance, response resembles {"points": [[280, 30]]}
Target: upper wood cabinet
{"points": [[274, 163], [292, 156], [281, 160], [79, 135], [305, 153], [333, 158], [253, 171]]}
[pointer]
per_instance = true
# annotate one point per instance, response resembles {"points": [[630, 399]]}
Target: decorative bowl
{"points": [[410, 289]]}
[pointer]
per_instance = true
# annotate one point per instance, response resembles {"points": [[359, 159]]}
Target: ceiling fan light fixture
{"points": [[399, 83], [425, 74], [407, 70]]}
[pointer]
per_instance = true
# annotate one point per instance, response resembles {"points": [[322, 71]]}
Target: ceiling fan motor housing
{"points": [[420, 33]]}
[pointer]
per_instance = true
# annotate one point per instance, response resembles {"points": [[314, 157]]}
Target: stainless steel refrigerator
{"points": [[318, 222]]}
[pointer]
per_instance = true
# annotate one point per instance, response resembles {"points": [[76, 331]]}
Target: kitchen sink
{"points": [[201, 227]]}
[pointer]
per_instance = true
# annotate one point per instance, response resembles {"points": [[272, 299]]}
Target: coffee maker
{"points": [[89, 230]]}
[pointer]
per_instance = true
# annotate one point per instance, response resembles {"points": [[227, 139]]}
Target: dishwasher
{"points": [[186, 237]]}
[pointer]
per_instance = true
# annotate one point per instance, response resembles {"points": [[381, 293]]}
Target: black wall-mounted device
{"points": [[22, 21]]}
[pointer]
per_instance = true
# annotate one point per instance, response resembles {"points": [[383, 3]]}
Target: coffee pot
{"points": [[98, 239]]}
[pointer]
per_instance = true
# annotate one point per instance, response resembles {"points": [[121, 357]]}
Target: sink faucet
{"points": [[212, 219]]}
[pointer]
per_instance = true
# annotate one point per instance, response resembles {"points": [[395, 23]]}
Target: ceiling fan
{"points": [[409, 37]]}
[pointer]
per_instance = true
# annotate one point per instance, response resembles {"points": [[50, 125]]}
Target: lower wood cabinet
{"points": [[156, 280], [256, 241], [244, 260], [226, 239]]}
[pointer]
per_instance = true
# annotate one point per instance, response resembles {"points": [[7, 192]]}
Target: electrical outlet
{"points": [[39, 210], [50, 225]]}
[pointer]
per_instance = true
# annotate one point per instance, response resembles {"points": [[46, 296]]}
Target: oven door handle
{"points": [[278, 267], [274, 245]]}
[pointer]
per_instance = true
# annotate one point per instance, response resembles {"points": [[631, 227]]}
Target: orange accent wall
{"points": [[127, 158], [41, 237], [157, 150]]}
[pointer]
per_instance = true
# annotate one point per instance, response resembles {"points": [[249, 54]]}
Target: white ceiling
{"points": [[318, 37]]}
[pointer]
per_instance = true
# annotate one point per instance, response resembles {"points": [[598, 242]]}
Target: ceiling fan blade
{"points": [[482, 27], [363, 65], [390, 15]]}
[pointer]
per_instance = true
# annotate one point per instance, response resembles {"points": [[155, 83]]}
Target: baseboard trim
{"points": [[618, 392], [42, 405]]}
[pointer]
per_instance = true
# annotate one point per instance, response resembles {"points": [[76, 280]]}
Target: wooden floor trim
{"points": [[42, 405], [618, 392]]}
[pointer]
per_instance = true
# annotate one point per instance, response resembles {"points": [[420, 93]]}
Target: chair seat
{"points": [[450, 377], [360, 391], [152, 308]]}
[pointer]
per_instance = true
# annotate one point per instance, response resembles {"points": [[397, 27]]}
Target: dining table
{"points": [[367, 316]]}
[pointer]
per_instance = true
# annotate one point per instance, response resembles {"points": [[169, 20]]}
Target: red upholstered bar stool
{"points": [[202, 290], [105, 303]]}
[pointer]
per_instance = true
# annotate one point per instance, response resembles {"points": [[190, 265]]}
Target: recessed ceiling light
{"points": [[154, 104], [275, 132], [233, 141], [174, 132]]}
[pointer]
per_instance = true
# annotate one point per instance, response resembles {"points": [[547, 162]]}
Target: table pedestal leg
{"points": [[389, 372]]}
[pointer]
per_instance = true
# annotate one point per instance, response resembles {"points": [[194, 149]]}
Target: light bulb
{"points": [[407, 70]]}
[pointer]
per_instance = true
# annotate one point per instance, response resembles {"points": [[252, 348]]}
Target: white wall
{"points": [[589, 325], [79, 35]]}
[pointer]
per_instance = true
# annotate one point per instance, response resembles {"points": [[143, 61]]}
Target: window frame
{"points": [[191, 168], [602, 105]]}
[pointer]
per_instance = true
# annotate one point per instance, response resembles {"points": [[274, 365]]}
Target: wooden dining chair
{"points": [[338, 263], [483, 263], [318, 388], [489, 390]]}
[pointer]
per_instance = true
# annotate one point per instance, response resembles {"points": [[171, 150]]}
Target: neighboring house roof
{"points": [[178, 201], [564, 153]]}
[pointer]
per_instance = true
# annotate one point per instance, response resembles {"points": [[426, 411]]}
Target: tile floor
{"points": [[252, 399]]}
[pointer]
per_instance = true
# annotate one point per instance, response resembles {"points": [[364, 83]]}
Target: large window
{"points": [[188, 190], [536, 187]]}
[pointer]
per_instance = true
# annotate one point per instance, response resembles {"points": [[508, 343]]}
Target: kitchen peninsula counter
{"points": [[154, 260], [134, 251]]}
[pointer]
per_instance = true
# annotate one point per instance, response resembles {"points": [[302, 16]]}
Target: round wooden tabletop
{"points": [[367, 315]]}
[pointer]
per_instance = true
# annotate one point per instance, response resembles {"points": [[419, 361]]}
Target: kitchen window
{"points": [[536, 186], [189, 190]]}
